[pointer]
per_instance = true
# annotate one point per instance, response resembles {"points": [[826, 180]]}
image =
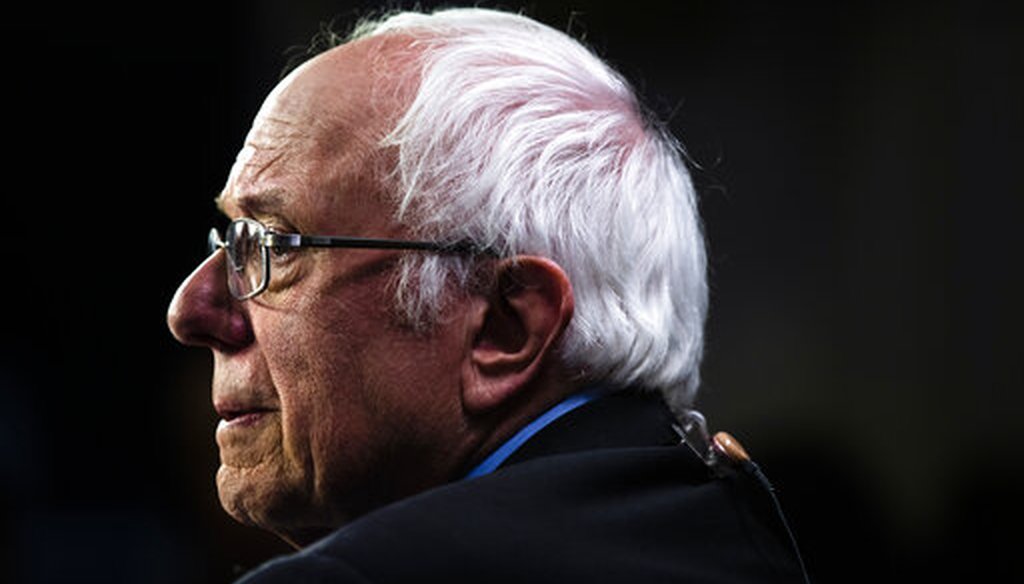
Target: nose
{"points": [[203, 313]]}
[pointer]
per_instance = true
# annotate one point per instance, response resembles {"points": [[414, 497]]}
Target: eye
{"points": [[281, 254], [278, 250]]}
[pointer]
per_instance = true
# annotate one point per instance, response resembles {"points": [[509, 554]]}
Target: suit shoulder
{"points": [[618, 515]]}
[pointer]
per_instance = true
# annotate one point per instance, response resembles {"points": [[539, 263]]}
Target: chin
{"points": [[270, 505], [243, 501]]}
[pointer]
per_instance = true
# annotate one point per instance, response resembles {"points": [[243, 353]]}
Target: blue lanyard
{"points": [[500, 455]]}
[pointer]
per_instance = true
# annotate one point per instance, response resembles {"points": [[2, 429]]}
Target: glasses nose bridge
{"points": [[214, 241]]}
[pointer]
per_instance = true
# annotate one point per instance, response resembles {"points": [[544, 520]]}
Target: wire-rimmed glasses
{"points": [[247, 244]]}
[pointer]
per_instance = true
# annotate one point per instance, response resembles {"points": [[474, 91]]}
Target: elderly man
{"points": [[456, 321]]}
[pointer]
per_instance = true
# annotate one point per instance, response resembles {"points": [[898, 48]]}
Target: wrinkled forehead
{"points": [[331, 111], [351, 91]]}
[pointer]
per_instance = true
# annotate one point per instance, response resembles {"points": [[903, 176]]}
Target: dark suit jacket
{"points": [[603, 494]]}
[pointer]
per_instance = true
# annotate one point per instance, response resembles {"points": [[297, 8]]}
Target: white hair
{"points": [[521, 140]]}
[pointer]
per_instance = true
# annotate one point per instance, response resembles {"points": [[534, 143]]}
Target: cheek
{"points": [[317, 369], [353, 389], [415, 389]]}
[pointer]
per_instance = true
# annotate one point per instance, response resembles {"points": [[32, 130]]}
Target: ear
{"points": [[515, 331]]}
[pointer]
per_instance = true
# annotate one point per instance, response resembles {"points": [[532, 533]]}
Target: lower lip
{"points": [[248, 440], [243, 421]]}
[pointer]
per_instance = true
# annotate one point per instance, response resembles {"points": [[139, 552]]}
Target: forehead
{"points": [[317, 133]]}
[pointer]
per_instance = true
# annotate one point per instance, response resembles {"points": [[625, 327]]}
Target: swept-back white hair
{"points": [[523, 141]]}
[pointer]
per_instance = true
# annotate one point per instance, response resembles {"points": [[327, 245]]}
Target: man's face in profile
{"points": [[330, 406]]}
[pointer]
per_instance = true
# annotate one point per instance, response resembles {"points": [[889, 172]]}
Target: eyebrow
{"points": [[262, 202]]}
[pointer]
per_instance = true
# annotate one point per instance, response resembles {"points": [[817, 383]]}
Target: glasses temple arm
{"points": [[294, 240]]}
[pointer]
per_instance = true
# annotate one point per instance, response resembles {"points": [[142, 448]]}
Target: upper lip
{"points": [[229, 411]]}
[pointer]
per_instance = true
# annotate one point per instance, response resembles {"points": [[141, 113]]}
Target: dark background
{"points": [[859, 170]]}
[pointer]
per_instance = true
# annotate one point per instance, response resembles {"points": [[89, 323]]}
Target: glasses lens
{"points": [[245, 262]]}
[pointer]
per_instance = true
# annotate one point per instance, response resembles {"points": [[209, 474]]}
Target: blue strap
{"points": [[500, 455]]}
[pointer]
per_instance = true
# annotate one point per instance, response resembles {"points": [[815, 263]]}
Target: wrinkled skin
{"points": [[330, 406]]}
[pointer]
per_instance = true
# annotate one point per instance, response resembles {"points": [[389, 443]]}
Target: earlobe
{"points": [[516, 331]]}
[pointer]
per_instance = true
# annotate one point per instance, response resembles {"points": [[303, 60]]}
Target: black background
{"points": [[859, 170]]}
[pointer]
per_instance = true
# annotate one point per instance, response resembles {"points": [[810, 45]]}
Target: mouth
{"points": [[242, 416], [247, 432]]}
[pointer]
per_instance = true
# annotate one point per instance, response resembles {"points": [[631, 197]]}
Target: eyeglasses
{"points": [[248, 244]]}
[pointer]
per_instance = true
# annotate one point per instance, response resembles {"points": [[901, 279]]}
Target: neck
{"points": [[493, 428]]}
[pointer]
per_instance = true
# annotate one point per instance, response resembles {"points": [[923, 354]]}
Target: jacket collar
{"points": [[620, 419]]}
